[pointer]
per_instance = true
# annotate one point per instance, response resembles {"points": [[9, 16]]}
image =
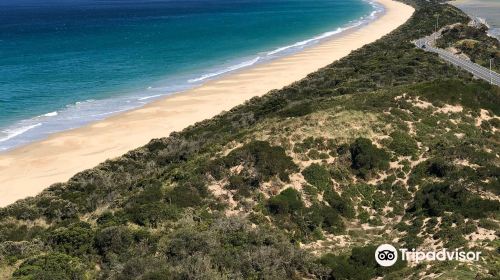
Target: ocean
{"points": [[66, 63], [488, 10]]}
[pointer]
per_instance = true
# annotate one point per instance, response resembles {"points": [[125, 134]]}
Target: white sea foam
{"points": [[149, 97], [494, 32], [110, 113], [226, 70], [51, 114], [82, 102], [307, 42], [11, 133]]}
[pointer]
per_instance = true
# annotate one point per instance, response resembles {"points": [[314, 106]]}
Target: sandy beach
{"points": [[28, 170]]}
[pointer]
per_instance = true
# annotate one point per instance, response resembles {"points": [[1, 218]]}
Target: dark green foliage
{"points": [[153, 213], [439, 168], [403, 144], [149, 207], [435, 167], [412, 240], [109, 219], [184, 196], [58, 209], [243, 184], [343, 149], [76, 239], [488, 224], [317, 176], [288, 201], [380, 199], [216, 168], [268, 161], [16, 232], [342, 205], [53, 266], [435, 199], [297, 110], [331, 221], [113, 240], [318, 144], [469, 228], [367, 157], [315, 154], [320, 216]]}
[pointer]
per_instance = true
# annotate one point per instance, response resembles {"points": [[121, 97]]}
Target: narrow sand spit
{"points": [[27, 170]]}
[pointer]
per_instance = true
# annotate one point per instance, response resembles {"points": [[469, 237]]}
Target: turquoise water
{"points": [[66, 63]]}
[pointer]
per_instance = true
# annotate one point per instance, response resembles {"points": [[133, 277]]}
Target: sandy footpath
{"points": [[27, 170]]}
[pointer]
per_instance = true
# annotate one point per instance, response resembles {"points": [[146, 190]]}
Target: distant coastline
{"points": [[486, 10], [27, 170]]}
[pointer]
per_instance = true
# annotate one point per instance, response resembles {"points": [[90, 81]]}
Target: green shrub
{"points": [[297, 110], [267, 160], [288, 201], [243, 184], [363, 216], [52, 266], [113, 240], [439, 168], [17, 232], [436, 167], [184, 196], [403, 144], [151, 214], [342, 205], [76, 239], [332, 222], [367, 157], [13, 251], [469, 227], [488, 224], [435, 199], [315, 154], [317, 176]]}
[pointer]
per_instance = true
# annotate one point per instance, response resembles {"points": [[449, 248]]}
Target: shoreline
{"points": [[35, 129], [478, 10], [27, 170]]}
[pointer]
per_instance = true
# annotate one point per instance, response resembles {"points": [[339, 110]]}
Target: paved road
{"points": [[478, 71]]}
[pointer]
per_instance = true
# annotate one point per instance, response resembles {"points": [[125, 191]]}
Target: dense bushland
{"points": [[343, 158]]}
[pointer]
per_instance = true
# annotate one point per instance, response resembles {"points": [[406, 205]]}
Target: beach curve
{"points": [[27, 170]]}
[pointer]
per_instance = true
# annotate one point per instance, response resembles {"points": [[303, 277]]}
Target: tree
{"points": [[367, 157], [286, 202]]}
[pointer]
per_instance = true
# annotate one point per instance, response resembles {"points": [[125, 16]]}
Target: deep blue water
{"points": [[64, 63]]}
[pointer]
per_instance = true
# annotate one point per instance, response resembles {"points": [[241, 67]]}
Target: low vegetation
{"points": [[387, 145], [474, 42]]}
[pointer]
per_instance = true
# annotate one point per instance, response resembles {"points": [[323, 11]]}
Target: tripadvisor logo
{"points": [[387, 255]]}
